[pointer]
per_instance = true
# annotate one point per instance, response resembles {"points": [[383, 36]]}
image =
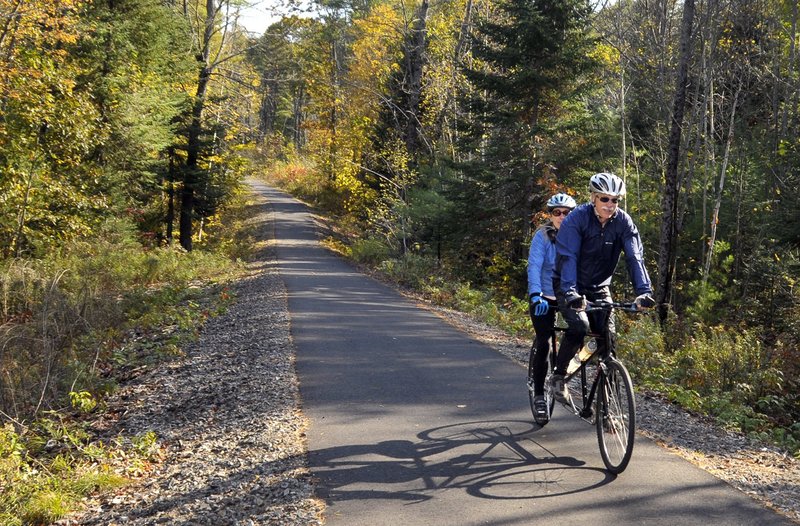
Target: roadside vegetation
{"points": [[101, 311]]}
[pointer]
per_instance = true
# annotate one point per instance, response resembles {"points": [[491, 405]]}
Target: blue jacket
{"points": [[541, 258], [587, 252]]}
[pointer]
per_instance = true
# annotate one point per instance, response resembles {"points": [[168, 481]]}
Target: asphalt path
{"points": [[412, 422]]}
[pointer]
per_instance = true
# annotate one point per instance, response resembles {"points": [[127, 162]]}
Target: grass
{"points": [[46, 469], [99, 310]]}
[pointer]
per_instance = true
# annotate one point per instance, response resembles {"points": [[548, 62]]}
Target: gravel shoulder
{"points": [[227, 417], [229, 420]]}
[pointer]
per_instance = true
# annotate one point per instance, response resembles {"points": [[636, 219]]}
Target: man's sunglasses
{"points": [[559, 213], [604, 199]]}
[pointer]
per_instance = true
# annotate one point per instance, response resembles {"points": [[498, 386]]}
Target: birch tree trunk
{"points": [[721, 187], [415, 51]]}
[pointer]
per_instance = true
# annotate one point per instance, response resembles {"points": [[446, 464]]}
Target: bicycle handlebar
{"points": [[611, 305]]}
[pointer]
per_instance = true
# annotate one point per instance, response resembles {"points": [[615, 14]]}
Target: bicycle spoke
{"points": [[616, 413]]}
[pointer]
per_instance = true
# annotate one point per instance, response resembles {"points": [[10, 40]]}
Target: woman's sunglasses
{"points": [[604, 199], [559, 213]]}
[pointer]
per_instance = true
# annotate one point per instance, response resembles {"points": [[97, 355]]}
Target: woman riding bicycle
{"points": [[587, 251], [541, 294]]}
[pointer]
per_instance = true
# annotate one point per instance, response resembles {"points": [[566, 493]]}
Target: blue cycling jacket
{"points": [[541, 257], [587, 252]]}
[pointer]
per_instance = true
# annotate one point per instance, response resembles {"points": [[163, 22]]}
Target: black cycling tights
{"points": [[543, 325]]}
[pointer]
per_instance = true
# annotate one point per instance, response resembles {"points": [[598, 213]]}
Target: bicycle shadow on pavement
{"points": [[485, 459]]}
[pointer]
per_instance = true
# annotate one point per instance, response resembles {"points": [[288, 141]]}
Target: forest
{"points": [[431, 132]]}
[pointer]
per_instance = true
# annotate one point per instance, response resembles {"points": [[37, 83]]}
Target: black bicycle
{"points": [[601, 391]]}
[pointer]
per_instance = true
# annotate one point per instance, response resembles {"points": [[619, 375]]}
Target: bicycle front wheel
{"points": [[616, 416]]}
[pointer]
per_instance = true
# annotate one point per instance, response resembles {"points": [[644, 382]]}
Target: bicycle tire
{"points": [[548, 390], [616, 416]]}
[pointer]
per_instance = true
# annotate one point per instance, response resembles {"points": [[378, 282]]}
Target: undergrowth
{"points": [[72, 326], [46, 469]]}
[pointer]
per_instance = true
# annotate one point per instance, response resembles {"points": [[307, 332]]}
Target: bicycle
{"points": [[611, 391]]}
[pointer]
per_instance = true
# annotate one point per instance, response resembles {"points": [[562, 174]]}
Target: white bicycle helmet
{"points": [[561, 201], [607, 183]]}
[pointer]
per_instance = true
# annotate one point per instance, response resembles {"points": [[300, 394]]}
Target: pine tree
{"points": [[529, 60]]}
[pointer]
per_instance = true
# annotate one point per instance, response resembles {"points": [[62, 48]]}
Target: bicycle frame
{"points": [[587, 391], [608, 401], [598, 356]]}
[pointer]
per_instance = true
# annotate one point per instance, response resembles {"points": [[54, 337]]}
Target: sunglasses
{"points": [[559, 213], [614, 200]]}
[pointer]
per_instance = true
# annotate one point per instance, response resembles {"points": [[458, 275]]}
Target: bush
{"points": [[641, 345], [410, 270], [369, 251], [725, 360]]}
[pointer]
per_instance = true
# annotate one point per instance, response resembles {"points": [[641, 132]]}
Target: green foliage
{"points": [[83, 401], [724, 360], [90, 92], [67, 314], [724, 373], [410, 270], [641, 345], [706, 298], [369, 251], [49, 467]]}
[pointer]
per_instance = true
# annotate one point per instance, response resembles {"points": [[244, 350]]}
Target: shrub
{"points": [[722, 359], [410, 270], [369, 251], [641, 345]]}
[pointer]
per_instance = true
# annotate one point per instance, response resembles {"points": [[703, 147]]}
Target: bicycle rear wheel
{"points": [[548, 390], [616, 416]]}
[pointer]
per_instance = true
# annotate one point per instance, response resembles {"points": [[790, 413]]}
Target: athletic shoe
{"points": [[560, 390], [541, 411]]}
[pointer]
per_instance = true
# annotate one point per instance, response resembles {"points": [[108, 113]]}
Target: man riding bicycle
{"points": [[588, 247]]}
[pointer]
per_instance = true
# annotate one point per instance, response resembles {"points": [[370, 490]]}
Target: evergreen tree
{"points": [[135, 55], [529, 61]]}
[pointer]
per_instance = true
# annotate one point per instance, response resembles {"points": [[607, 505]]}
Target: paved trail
{"points": [[415, 423]]}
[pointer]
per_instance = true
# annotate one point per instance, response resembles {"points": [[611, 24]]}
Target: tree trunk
{"points": [[170, 219], [269, 106], [789, 100], [415, 59], [195, 130], [458, 52], [190, 178], [669, 203], [721, 187], [298, 104]]}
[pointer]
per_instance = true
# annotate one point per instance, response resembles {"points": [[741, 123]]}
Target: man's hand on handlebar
{"points": [[576, 301], [644, 301]]}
